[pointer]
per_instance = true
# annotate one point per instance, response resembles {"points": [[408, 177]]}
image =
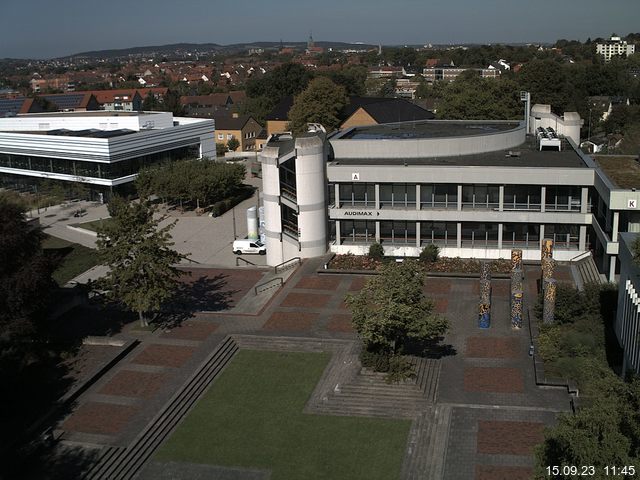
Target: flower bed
{"points": [[350, 261]]}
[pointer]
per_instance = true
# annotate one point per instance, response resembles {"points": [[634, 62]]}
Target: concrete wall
{"points": [[627, 325], [82, 121], [428, 147], [567, 125], [311, 196], [271, 203]]}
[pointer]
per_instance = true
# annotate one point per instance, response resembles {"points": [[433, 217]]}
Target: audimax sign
{"points": [[360, 213]]}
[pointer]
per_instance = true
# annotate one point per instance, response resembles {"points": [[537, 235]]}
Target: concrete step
{"points": [[363, 412], [379, 393], [436, 444], [125, 463]]}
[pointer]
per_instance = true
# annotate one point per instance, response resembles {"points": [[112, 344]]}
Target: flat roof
{"points": [[92, 113], [427, 129], [89, 133], [622, 170], [525, 155]]}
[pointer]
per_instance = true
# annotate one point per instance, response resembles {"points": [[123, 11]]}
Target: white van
{"points": [[248, 246]]}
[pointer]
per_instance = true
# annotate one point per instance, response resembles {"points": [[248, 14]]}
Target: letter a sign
{"points": [[355, 177], [632, 203]]}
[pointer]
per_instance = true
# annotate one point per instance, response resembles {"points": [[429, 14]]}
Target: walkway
{"points": [[476, 410]]}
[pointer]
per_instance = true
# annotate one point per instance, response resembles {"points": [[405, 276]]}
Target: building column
{"points": [[612, 268], [336, 200], [541, 236], [459, 235], [584, 200], [543, 200], [377, 229], [614, 227], [377, 190], [501, 203], [338, 231], [582, 241], [500, 232], [459, 199], [418, 234], [418, 206]]}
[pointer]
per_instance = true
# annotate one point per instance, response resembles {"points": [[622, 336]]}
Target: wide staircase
{"points": [[118, 463], [427, 444], [368, 393], [587, 271]]}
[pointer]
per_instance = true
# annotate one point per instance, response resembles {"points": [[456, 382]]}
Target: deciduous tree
{"points": [[321, 103], [142, 273], [392, 310]]}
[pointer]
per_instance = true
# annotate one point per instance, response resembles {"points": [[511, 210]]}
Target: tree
{"points": [[221, 148], [376, 251], [546, 80], [257, 107], [283, 81], [233, 144], [392, 310], [141, 262], [471, 97], [321, 103], [25, 276]]}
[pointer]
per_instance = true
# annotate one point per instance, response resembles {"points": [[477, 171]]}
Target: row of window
{"points": [[445, 196], [81, 168], [473, 234]]}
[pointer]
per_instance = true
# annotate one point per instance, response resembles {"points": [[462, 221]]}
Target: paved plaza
{"points": [[481, 418]]}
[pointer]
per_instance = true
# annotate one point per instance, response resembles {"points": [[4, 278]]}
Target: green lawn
{"points": [[252, 417], [93, 226], [74, 259]]}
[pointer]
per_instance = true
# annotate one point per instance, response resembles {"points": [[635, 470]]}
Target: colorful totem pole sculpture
{"points": [[549, 303], [484, 307]]}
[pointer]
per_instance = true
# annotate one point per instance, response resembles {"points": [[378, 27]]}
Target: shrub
{"points": [[378, 361], [430, 253], [400, 369], [376, 251], [227, 204]]}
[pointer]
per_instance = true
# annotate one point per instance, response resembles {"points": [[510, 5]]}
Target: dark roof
{"points": [[428, 129], [69, 101], [281, 110], [229, 122], [390, 110], [383, 110], [11, 106]]}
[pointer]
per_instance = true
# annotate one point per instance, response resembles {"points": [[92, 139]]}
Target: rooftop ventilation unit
{"points": [[548, 138]]}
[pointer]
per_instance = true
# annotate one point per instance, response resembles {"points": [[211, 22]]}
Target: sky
{"points": [[52, 28]]}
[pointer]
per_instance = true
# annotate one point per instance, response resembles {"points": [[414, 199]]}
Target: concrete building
{"points": [[104, 150], [614, 47], [474, 188], [627, 326]]}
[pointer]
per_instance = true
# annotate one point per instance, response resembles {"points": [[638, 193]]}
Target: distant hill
{"points": [[208, 47]]}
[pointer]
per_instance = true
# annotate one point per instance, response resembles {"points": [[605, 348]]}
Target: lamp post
{"points": [[589, 133]]}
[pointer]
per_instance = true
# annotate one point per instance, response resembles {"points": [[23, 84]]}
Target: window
{"points": [[397, 195], [479, 235], [357, 194], [522, 197], [480, 197], [439, 233], [221, 136], [520, 235], [229, 136], [357, 231]]}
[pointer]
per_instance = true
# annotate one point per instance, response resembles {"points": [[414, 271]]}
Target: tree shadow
{"points": [[433, 348], [203, 294], [55, 461]]}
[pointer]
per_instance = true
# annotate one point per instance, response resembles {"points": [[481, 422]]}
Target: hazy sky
{"points": [[50, 28]]}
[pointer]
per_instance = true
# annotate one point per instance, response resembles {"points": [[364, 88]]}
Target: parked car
{"points": [[248, 246]]}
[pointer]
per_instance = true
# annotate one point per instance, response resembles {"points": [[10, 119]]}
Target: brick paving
{"points": [[290, 322], [191, 330], [437, 285], [441, 305], [357, 283], [510, 438], [99, 418], [340, 323], [130, 383], [493, 347], [307, 300], [164, 355], [493, 380], [493, 472], [319, 283]]}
